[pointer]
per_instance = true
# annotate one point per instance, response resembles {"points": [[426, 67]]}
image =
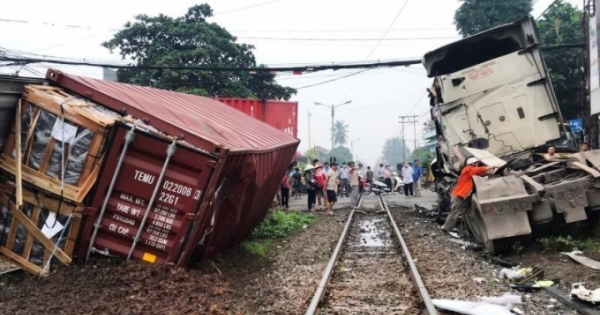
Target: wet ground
{"points": [[370, 277]]}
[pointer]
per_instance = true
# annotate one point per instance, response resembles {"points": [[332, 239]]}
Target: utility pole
{"points": [[310, 142], [408, 120], [333, 107]]}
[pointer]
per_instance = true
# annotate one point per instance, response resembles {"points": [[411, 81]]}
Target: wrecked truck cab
{"points": [[492, 98]]}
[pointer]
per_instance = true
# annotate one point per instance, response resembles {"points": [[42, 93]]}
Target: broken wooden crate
{"points": [[62, 139], [44, 228]]}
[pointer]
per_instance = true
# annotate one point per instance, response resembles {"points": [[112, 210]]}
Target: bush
{"points": [[280, 224], [258, 247], [567, 244]]}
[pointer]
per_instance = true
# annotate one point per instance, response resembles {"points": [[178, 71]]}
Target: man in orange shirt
{"points": [[463, 189]]}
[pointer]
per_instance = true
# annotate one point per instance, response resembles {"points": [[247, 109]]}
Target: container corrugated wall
{"points": [[251, 158], [279, 114]]}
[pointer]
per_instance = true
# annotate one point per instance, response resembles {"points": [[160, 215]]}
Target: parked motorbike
{"points": [[379, 187], [365, 187]]}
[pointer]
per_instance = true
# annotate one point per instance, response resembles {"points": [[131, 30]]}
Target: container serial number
{"points": [[177, 188]]}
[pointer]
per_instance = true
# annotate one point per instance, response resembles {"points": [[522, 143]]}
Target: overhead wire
{"points": [[379, 42], [332, 80], [246, 7], [307, 68]]}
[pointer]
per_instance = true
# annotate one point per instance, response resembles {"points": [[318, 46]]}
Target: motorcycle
{"points": [[379, 187]]}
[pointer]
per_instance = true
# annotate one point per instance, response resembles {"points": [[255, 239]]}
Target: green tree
{"points": [[475, 16], [310, 154], [393, 151], [341, 154], [340, 133], [561, 24], [424, 155], [191, 40]]}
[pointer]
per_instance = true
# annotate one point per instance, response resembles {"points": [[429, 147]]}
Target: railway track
{"points": [[371, 270]]}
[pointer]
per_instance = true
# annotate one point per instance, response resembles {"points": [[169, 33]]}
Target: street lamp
{"points": [[333, 107]]}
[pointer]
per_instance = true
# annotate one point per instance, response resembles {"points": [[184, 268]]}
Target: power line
{"points": [[214, 68], [349, 39], [345, 31], [388, 29], [332, 80], [246, 7], [379, 42]]}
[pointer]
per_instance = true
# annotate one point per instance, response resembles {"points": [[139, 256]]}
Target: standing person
{"points": [[584, 147], [369, 175], [326, 168], [309, 177], [354, 185], [407, 179], [387, 177], [380, 175], [296, 183], [285, 191], [361, 171], [463, 189], [320, 179], [344, 178], [417, 172], [332, 187]]}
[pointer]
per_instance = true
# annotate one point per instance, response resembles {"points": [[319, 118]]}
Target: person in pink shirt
{"points": [[320, 179]]}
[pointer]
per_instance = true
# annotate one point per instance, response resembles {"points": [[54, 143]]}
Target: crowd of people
{"points": [[325, 182]]}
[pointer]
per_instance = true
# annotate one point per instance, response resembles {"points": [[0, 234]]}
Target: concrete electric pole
{"points": [[310, 142], [409, 120], [333, 107]]}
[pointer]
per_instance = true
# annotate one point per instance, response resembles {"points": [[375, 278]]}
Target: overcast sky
{"points": [[76, 28]]}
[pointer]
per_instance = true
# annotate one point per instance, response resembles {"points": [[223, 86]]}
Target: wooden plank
{"points": [[580, 307], [53, 105], [92, 159], [12, 234], [18, 181], [44, 163], [43, 181], [73, 233], [24, 263], [35, 216], [32, 228], [31, 132], [39, 199]]}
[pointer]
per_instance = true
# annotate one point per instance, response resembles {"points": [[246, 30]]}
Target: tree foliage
{"points": [[340, 133], [475, 16], [561, 24], [341, 153], [191, 40], [393, 151], [310, 154]]}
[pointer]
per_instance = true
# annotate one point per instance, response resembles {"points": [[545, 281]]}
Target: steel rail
{"points": [[414, 272], [320, 292]]}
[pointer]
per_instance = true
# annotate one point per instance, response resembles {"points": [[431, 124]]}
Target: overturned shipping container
{"points": [[279, 114], [197, 181]]}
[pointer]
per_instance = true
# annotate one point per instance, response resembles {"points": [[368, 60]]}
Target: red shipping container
{"points": [[214, 191], [279, 114]]}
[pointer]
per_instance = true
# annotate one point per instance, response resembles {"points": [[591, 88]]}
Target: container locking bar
{"points": [[170, 153], [128, 139]]}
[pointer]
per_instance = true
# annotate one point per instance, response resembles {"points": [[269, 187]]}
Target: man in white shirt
{"points": [[354, 183], [344, 178], [407, 179]]}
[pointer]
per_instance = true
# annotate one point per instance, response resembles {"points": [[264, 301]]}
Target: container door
{"points": [[177, 198]]}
